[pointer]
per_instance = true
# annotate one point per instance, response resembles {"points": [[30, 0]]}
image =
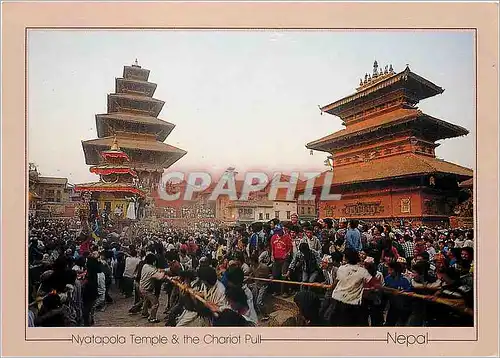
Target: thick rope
{"points": [[457, 304], [306, 284], [194, 294]]}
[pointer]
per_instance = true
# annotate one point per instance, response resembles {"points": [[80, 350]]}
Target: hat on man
{"points": [[401, 260], [326, 259], [369, 260]]}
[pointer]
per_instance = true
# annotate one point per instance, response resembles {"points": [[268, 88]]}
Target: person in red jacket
{"points": [[192, 246], [86, 242], [281, 249]]}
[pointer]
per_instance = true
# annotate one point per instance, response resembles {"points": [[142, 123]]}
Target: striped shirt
{"points": [[409, 249]]}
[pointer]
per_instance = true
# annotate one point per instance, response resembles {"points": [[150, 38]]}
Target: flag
{"points": [[95, 237], [95, 231]]}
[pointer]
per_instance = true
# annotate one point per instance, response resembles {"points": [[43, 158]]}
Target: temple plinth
{"points": [[132, 117], [384, 163]]}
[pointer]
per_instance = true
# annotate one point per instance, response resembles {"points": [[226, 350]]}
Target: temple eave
{"points": [[158, 127], [109, 188], [401, 166], [426, 89], [107, 170], [445, 129], [134, 118], [92, 157], [134, 144]]}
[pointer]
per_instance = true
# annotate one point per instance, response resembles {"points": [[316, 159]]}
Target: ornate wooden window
{"points": [[363, 209], [406, 205], [49, 195], [329, 211]]}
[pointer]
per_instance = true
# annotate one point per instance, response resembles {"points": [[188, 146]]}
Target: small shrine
{"points": [[116, 196]]}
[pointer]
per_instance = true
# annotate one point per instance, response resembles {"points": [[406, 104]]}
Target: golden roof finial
{"points": [[115, 146]]}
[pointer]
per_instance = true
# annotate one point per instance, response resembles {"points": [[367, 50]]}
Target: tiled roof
{"points": [[106, 169], [136, 97], [387, 119], [103, 129], [110, 166], [135, 80], [128, 117], [427, 87], [135, 72], [52, 180], [146, 167], [101, 186], [388, 168], [374, 122], [139, 143], [467, 183]]}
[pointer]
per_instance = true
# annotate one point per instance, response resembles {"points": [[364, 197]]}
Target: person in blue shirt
{"points": [[353, 237], [255, 237], [399, 306], [395, 279]]}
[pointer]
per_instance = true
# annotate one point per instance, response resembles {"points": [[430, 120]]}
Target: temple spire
{"points": [[115, 146], [136, 63]]}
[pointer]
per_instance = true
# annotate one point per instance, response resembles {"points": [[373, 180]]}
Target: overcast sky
{"points": [[246, 99]]}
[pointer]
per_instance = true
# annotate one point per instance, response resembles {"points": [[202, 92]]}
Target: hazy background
{"points": [[247, 99]]}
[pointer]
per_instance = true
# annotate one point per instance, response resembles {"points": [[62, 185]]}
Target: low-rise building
{"points": [[307, 209], [49, 196]]}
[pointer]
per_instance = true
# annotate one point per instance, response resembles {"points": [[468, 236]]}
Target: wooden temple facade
{"points": [[384, 163], [132, 117]]}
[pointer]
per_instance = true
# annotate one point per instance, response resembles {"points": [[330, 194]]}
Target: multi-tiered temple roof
{"points": [[386, 135], [132, 117]]}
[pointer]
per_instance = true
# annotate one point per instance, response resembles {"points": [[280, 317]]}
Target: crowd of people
{"points": [[339, 272]]}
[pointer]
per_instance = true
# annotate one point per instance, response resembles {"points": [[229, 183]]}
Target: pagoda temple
{"points": [[384, 163], [117, 189], [132, 117]]}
